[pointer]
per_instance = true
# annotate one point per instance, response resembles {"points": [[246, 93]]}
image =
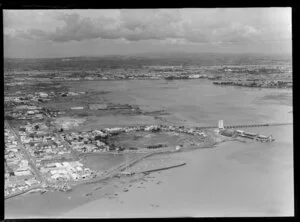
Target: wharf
{"points": [[254, 136], [246, 125]]}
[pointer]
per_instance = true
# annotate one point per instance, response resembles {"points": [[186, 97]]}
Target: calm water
{"points": [[230, 180], [197, 102], [233, 179]]}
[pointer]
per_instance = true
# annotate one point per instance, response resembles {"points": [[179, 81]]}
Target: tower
{"points": [[221, 124]]}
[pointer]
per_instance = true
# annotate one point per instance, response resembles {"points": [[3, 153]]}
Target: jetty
{"points": [[246, 125]]}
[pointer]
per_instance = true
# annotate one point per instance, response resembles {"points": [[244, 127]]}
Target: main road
{"points": [[31, 161]]}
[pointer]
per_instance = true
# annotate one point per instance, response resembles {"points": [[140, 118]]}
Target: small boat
{"points": [[126, 173]]}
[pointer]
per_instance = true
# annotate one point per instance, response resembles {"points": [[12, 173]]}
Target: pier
{"points": [[246, 125]]}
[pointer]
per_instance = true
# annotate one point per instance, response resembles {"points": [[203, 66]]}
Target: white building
{"points": [[42, 94], [221, 124], [22, 173], [59, 171], [58, 165]]}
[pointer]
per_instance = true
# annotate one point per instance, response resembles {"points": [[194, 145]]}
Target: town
{"points": [[279, 73]]}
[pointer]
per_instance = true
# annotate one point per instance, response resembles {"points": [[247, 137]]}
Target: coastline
{"points": [[78, 200], [213, 167], [111, 195]]}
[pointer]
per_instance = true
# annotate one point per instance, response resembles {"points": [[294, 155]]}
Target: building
{"points": [[240, 132], [42, 94], [23, 173], [221, 124], [77, 107]]}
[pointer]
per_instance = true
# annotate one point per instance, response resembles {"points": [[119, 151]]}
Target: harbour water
{"points": [[233, 179], [193, 102]]}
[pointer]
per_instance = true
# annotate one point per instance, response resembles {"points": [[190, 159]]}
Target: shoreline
{"points": [[115, 170], [107, 190], [218, 156]]}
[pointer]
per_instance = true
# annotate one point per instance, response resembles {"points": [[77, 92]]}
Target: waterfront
{"points": [[232, 179], [208, 184]]}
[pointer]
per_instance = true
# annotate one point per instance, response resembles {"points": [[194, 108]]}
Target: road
{"points": [[73, 152], [66, 144], [31, 161]]}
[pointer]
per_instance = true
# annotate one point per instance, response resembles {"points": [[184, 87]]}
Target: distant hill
{"points": [[144, 59]]}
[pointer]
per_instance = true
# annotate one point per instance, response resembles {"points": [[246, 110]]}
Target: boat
{"points": [[126, 173]]}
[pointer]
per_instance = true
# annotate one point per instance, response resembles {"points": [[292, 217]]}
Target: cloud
{"points": [[170, 26]]}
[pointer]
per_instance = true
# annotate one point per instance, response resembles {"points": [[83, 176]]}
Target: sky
{"points": [[64, 33]]}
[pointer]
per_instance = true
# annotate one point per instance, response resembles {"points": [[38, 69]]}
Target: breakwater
{"points": [[115, 170], [162, 168]]}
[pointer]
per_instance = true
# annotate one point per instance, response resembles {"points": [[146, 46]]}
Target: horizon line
{"points": [[157, 53]]}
